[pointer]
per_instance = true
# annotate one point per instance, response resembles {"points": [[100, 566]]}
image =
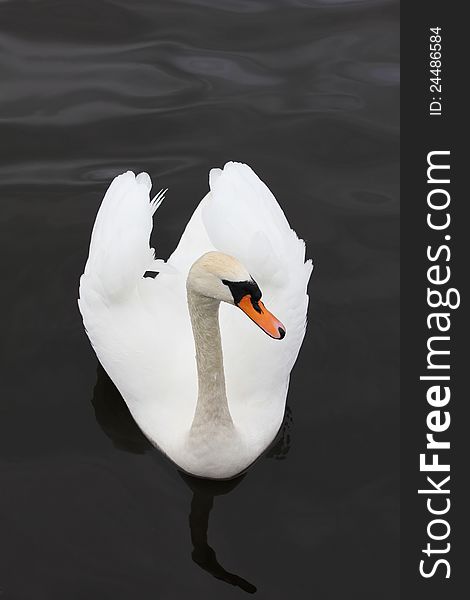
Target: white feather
{"points": [[140, 327]]}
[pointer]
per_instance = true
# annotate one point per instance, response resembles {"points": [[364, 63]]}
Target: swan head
{"points": [[222, 277]]}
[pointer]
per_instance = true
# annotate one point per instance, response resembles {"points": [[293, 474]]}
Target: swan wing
{"points": [[119, 247], [241, 217], [139, 326]]}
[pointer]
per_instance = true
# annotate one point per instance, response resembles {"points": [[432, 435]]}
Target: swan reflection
{"points": [[115, 420], [202, 502]]}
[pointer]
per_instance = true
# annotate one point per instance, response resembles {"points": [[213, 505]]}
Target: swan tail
{"points": [[120, 252]]}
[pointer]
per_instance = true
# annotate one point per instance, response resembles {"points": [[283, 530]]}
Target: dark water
{"points": [[306, 92]]}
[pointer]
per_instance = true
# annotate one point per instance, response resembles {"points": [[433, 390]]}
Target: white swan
{"points": [[212, 403]]}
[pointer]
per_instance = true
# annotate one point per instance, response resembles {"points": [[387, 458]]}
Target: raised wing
{"points": [[119, 247], [241, 217], [138, 326]]}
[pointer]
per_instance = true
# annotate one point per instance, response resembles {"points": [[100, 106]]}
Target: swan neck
{"points": [[212, 407]]}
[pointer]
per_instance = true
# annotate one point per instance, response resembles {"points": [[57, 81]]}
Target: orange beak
{"points": [[262, 317]]}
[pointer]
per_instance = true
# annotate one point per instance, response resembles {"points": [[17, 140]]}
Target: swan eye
{"points": [[239, 289]]}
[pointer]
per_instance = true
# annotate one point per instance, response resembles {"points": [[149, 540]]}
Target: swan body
{"points": [[203, 382]]}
